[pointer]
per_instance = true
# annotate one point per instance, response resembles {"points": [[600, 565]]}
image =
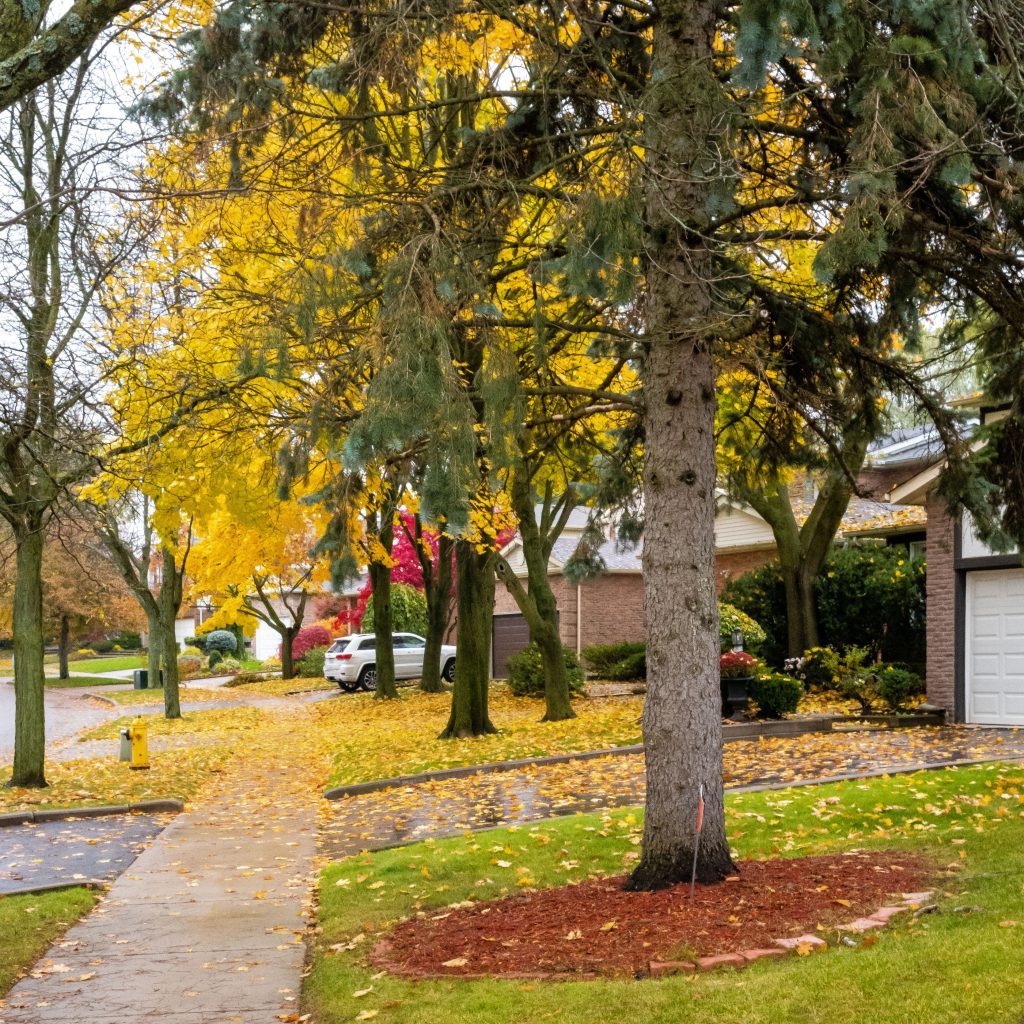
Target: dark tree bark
{"points": [[380, 584], [437, 591], [287, 657], [155, 639], [474, 594], [537, 601], [63, 643], [682, 724], [29, 721], [169, 601]]}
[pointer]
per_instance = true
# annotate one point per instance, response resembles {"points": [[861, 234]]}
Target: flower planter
{"points": [[734, 697]]}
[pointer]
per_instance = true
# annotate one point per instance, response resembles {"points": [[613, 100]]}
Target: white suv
{"points": [[351, 661]]}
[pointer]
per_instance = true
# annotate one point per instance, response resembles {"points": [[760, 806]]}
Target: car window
{"points": [[415, 641], [338, 645], [369, 644]]}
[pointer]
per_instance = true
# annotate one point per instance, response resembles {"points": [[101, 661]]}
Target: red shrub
{"points": [[309, 637]]}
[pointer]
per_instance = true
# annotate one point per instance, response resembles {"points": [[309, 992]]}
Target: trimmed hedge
{"points": [[776, 695], [526, 672], [222, 641]]}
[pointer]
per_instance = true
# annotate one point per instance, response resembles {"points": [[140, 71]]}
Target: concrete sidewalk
{"points": [[205, 928]]}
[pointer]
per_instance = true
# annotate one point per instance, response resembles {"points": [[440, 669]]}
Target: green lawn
{"points": [[962, 967], [30, 924], [112, 664], [77, 681]]}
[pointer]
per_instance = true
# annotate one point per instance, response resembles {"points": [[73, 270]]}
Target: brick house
{"points": [[975, 625], [610, 607]]}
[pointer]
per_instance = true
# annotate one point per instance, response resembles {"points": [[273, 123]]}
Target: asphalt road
{"points": [[67, 852], [66, 713]]}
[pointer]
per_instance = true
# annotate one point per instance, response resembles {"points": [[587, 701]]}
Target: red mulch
{"points": [[527, 932]]}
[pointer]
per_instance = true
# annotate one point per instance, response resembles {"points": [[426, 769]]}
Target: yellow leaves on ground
{"points": [[374, 739], [173, 774], [130, 697], [217, 722]]}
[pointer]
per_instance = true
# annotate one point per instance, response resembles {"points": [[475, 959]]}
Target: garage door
{"points": [[995, 647], [511, 634]]}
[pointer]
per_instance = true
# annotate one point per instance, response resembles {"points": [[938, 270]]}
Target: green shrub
{"points": [[408, 611], [241, 678], [311, 663], [223, 641], [603, 659], [102, 646], [128, 640], [895, 686], [866, 595], [215, 659], [229, 664], [526, 672], [189, 665], [729, 617], [630, 668], [194, 651], [776, 695], [198, 642], [820, 668]]}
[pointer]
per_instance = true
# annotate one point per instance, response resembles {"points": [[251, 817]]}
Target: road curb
{"points": [[730, 734], [36, 890], [100, 697], [107, 810]]}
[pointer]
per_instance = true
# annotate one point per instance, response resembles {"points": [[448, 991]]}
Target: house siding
{"points": [[941, 595], [728, 566], [612, 609]]}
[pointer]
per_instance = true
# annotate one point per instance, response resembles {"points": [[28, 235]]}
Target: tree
{"points": [[672, 141], [254, 558]]}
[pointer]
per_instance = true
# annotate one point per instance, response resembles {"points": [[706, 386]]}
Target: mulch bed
{"points": [[595, 927]]}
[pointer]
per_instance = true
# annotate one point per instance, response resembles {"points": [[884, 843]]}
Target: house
{"points": [[610, 608], [975, 596]]}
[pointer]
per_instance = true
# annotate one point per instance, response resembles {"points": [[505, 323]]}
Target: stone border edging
{"points": [[730, 734], [100, 697], [103, 811]]}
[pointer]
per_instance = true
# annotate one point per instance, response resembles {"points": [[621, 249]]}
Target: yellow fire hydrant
{"points": [[135, 744]]}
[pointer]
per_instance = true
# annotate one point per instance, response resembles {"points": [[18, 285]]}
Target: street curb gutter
{"points": [[63, 813]]}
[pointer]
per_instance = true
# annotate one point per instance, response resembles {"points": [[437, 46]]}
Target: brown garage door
{"points": [[510, 635]]}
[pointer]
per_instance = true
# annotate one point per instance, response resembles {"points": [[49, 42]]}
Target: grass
{"points": [[112, 664], [376, 739], [30, 924], [79, 681], [939, 968], [225, 722], [156, 696]]}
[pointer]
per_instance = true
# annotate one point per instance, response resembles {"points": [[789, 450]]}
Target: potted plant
{"points": [[736, 669]]}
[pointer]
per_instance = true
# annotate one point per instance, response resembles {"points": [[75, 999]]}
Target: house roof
{"points": [[907, 444]]}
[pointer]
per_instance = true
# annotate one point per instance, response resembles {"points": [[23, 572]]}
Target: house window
{"points": [[917, 550]]}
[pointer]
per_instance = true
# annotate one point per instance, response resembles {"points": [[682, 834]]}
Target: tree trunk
{"points": [[287, 658], [29, 710], [801, 609], [380, 583], [682, 724], [537, 601], [474, 594], [169, 600], [63, 642], [438, 593], [155, 645]]}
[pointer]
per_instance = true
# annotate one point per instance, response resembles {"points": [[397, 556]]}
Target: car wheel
{"points": [[368, 678], [449, 671], [349, 685]]}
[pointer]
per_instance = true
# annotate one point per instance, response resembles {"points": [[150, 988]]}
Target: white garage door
{"points": [[995, 647]]}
